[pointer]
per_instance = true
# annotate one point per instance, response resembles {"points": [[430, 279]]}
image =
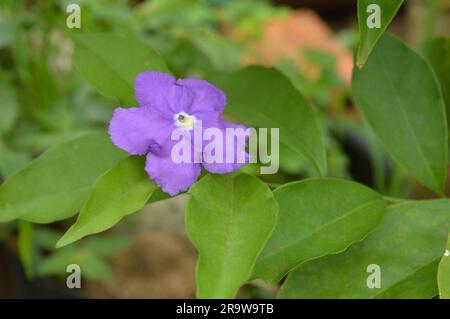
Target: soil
{"points": [[160, 261], [156, 265]]}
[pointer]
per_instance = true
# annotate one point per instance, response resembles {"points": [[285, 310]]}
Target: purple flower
{"points": [[167, 104]]}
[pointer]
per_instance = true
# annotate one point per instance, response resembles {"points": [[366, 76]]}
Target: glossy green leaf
{"points": [[437, 52], [317, 217], [123, 190], [368, 36], [111, 62], [264, 97], [55, 185], [444, 273], [400, 97], [407, 247], [229, 219]]}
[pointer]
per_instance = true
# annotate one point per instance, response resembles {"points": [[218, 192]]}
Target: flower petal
{"points": [[151, 87], [207, 97], [171, 177], [136, 130], [238, 148], [162, 93]]}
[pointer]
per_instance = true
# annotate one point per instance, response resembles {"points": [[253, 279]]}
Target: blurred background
{"points": [[43, 101]]}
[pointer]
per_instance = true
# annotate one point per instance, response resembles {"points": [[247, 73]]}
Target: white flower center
{"points": [[184, 120]]}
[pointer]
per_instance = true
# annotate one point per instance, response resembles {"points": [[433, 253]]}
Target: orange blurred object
{"points": [[287, 37]]}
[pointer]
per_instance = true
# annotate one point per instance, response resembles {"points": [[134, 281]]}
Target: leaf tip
{"points": [[63, 241]]}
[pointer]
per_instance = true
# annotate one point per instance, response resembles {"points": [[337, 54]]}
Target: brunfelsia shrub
{"points": [[328, 237]]}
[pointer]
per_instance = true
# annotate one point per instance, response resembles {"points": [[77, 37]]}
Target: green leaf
{"points": [[123, 190], [25, 247], [229, 219], [9, 107], [55, 185], [11, 161], [407, 246], [264, 97], [45, 237], [400, 97], [94, 267], [437, 52], [56, 263], [221, 53], [317, 217], [105, 245], [444, 273], [111, 62], [368, 37]]}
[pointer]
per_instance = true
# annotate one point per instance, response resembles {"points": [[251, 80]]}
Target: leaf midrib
{"points": [[57, 194], [317, 230], [228, 241], [403, 112], [111, 204]]}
